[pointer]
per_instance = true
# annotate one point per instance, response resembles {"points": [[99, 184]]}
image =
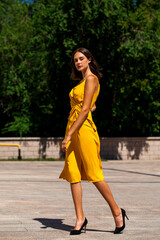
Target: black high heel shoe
{"points": [[77, 232], [120, 229]]}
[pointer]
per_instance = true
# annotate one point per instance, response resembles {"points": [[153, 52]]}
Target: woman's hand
{"points": [[93, 108], [64, 143]]}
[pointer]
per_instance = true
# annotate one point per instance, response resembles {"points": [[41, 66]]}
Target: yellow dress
{"points": [[82, 159]]}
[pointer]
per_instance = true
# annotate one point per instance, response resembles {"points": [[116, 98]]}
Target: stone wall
{"points": [[111, 148], [131, 148], [31, 148]]}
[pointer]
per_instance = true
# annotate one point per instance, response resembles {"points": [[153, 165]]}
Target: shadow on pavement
{"points": [[54, 223], [58, 224], [127, 171]]}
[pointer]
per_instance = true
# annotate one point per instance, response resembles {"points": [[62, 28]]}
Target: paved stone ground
{"points": [[36, 205]]}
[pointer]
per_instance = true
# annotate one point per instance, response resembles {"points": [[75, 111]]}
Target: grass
{"points": [[35, 159]]}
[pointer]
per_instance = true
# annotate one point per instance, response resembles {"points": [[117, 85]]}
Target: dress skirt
{"points": [[82, 160]]}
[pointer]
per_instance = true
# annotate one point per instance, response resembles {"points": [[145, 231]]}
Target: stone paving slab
{"points": [[36, 205]]}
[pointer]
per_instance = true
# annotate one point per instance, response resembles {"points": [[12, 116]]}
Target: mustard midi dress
{"points": [[82, 159]]}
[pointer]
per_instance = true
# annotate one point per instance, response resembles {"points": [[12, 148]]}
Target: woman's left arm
{"points": [[93, 108], [91, 86]]}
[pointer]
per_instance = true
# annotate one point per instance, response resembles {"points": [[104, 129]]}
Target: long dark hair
{"points": [[95, 69]]}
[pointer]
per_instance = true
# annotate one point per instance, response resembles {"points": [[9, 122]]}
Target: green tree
{"points": [[36, 42], [14, 95], [136, 108]]}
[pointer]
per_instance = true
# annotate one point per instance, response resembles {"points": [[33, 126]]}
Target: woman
{"points": [[81, 142]]}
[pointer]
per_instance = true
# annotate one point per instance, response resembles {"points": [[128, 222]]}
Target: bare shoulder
{"points": [[92, 79]]}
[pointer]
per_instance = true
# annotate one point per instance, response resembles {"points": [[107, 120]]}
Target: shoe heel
{"points": [[84, 228], [126, 216]]}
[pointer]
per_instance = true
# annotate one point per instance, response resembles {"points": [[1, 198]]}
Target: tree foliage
{"points": [[36, 42]]}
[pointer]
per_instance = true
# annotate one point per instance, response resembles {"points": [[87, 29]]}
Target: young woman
{"points": [[81, 142]]}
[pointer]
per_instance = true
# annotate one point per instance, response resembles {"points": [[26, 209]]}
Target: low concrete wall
{"points": [[33, 147], [131, 148], [111, 148]]}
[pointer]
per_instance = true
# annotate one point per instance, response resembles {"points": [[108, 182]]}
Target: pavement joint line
{"points": [[124, 182]]}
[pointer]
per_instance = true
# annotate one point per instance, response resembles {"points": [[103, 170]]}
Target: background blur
{"points": [[37, 39]]}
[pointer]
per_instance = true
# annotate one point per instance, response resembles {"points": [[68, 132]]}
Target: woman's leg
{"points": [[76, 190], [104, 189]]}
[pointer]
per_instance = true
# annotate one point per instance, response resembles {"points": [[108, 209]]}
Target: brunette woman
{"points": [[81, 142]]}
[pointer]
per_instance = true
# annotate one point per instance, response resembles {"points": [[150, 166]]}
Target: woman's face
{"points": [[81, 61]]}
